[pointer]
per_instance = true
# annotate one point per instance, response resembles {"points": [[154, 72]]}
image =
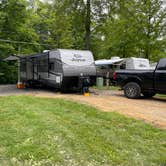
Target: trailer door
{"points": [[29, 70]]}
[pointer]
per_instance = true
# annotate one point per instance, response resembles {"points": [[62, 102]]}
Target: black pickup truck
{"points": [[146, 82]]}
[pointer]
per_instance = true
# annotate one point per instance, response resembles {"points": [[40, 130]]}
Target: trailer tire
{"points": [[132, 90]]}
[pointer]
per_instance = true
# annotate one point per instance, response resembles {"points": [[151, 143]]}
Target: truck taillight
{"points": [[114, 75]]}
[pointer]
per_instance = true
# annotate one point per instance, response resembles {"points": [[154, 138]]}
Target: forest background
{"points": [[124, 28]]}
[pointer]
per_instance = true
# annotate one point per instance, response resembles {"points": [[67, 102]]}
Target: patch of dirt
{"points": [[152, 111]]}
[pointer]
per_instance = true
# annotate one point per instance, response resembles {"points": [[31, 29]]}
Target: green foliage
{"points": [[150, 22], [8, 72], [14, 25], [135, 28], [36, 131]]}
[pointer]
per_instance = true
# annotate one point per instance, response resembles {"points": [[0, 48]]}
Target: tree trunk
{"points": [[124, 52], [147, 53], [58, 38], [88, 25]]}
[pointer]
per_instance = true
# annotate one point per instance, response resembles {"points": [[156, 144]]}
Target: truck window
{"points": [[162, 65]]}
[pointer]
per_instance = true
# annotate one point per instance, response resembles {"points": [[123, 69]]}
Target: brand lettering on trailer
{"points": [[78, 58], [142, 65]]}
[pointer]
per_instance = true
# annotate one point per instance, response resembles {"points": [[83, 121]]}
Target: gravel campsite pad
{"points": [[152, 111]]}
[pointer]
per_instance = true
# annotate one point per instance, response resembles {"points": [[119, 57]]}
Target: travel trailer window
{"points": [[51, 66], [43, 64]]}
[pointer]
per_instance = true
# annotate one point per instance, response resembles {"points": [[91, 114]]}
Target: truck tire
{"points": [[148, 94], [132, 90]]}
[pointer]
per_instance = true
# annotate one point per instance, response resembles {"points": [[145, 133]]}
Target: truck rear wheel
{"points": [[148, 94], [132, 90]]}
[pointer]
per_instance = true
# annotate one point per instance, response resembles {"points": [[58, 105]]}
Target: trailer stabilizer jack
{"points": [[20, 85], [87, 94]]}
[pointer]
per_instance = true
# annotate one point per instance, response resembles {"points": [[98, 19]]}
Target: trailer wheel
{"points": [[132, 90], [149, 94]]}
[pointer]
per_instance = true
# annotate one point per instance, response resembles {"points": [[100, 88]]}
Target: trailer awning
{"points": [[113, 60], [12, 58]]}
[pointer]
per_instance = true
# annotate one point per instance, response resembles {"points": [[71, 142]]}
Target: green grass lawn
{"points": [[161, 95], [40, 131]]}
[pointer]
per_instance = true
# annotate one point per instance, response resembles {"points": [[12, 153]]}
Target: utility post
{"points": [[19, 83]]}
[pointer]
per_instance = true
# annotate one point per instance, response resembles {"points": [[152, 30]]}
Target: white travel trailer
{"points": [[63, 69], [136, 63], [125, 63], [106, 67]]}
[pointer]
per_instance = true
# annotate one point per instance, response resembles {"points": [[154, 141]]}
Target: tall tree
{"points": [[88, 25], [117, 30], [77, 15], [54, 24], [151, 25], [14, 26], [134, 28]]}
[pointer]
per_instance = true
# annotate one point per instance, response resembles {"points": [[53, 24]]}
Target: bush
{"points": [[8, 72]]}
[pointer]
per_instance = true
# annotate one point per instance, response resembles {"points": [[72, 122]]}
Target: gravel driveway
{"points": [[152, 111]]}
